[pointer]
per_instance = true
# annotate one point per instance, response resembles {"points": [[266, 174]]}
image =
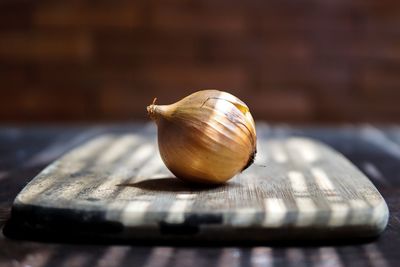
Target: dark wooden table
{"points": [[24, 151]]}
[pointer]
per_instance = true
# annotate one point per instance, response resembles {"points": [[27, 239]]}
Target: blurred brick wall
{"points": [[295, 61]]}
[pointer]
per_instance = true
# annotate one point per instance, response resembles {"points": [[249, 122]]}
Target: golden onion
{"points": [[207, 137]]}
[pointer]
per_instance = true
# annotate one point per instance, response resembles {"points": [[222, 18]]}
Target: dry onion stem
{"points": [[208, 136]]}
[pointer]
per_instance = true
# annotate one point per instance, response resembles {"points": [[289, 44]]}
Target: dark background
{"points": [[308, 61]]}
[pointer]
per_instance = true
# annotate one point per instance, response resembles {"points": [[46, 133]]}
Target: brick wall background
{"points": [[295, 61]]}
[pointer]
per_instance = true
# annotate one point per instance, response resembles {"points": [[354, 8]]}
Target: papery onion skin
{"points": [[207, 137]]}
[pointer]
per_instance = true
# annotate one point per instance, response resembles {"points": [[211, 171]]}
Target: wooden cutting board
{"points": [[116, 185]]}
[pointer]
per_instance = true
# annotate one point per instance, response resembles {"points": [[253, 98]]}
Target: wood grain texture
{"points": [[116, 185], [25, 151]]}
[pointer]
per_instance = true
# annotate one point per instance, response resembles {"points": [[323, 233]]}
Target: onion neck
{"points": [[152, 112], [156, 112]]}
